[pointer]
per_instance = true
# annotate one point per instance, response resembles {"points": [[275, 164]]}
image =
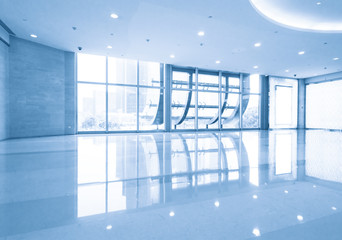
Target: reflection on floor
{"points": [[210, 185]]}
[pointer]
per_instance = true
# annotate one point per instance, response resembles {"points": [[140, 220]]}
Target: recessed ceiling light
{"points": [[113, 15], [287, 70], [334, 208], [109, 227], [255, 67], [301, 52], [255, 196], [257, 44], [336, 58], [286, 191], [200, 33], [318, 3], [218, 61], [109, 47], [172, 213], [256, 232], [33, 35], [217, 204], [300, 218], [172, 56]]}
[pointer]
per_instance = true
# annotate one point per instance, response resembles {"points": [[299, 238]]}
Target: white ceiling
{"points": [[172, 27]]}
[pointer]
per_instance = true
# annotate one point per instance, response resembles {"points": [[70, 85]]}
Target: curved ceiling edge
{"points": [[301, 20]]}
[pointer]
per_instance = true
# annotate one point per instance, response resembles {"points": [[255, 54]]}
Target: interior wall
{"points": [[41, 90], [3, 90]]}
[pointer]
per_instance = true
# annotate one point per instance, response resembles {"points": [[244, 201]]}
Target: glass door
{"points": [[283, 103]]}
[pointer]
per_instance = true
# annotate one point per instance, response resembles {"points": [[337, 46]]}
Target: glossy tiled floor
{"points": [[229, 185]]}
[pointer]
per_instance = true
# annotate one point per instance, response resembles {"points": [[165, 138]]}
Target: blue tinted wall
{"points": [[41, 90]]}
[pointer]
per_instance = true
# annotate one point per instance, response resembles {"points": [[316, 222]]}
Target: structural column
{"points": [[264, 102]]}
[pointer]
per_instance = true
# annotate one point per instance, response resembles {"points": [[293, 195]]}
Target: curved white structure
{"points": [[309, 15]]}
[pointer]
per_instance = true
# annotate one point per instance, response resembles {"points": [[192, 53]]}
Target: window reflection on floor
{"points": [[123, 172], [323, 155], [283, 155], [251, 142]]}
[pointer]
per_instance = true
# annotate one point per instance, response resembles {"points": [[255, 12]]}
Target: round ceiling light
{"points": [[114, 15], [302, 15]]}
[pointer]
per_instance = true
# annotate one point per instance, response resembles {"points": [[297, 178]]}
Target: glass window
{"points": [[250, 118], [122, 71], [122, 108], [91, 68], [151, 108], [182, 80], [91, 107], [324, 105], [183, 109], [230, 116], [254, 83], [208, 82], [149, 74], [208, 109]]}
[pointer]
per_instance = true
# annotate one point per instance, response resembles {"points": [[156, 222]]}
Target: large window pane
{"points": [[324, 105], [123, 71], [149, 74], [183, 80], [91, 107], [183, 109], [230, 116], [208, 82], [254, 83], [91, 68], [208, 109], [122, 108], [151, 109], [250, 118]]}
